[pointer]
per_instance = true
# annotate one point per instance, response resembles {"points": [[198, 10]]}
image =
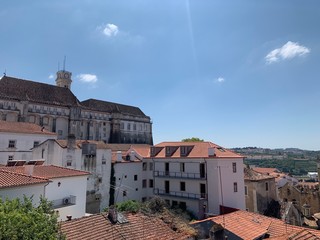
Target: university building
{"points": [[58, 110]]}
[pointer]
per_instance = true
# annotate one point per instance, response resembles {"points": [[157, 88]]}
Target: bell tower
{"points": [[64, 79]]}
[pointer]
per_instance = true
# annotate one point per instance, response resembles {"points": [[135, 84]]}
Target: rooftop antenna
{"points": [[64, 63], [58, 66], [5, 72]]}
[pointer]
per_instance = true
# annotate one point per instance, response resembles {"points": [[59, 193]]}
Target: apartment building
{"points": [[198, 176], [18, 138]]}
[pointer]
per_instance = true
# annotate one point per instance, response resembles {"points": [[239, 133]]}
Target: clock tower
{"points": [[64, 79]]}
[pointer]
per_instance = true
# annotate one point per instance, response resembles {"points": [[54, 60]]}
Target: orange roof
{"points": [[248, 225], [265, 170], [250, 174], [47, 171], [198, 150], [23, 127], [13, 179], [139, 226], [100, 144]]}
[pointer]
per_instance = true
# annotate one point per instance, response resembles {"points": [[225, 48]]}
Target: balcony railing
{"points": [[180, 194], [64, 202], [179, 175]]}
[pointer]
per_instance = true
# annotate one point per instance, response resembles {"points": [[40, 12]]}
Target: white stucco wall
{"points": [[31, 191], [24, 144], [75, 186]]}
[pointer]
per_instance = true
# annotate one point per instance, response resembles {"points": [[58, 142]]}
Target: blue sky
{"points": [[238, 73]]}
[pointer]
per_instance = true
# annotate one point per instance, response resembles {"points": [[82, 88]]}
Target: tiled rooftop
{"points": [[265, 170], [13, 179], [46, 171], [250, 174], [23, 127], [138, 227], [199, 150], [248, 225]]}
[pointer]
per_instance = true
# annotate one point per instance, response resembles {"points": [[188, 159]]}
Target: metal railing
{"points": [[179, 175], [180, 194]]}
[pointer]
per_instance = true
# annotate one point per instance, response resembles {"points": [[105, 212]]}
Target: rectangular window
{"points": [[267, 186], [124, 193], [183, 205], [60, 132], [150, 183], [134, 127], [144, 183], [235, 187], [69, 163], [234, 167], [144, 166], [10, 157], [151, 166], [182, 186], [174, 203], [12, 144], [135, 177], [144, 199], [182, 169], [128, 126], [246, 190], [36, 143]]}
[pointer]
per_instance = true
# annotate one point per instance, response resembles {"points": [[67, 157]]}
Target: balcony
{"points": [[64, 202], [185, 195], [183, 175]]}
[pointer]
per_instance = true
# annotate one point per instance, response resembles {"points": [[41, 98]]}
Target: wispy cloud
{"points": [[287, 51], [110, 29], [219, 80], [87, 78]]}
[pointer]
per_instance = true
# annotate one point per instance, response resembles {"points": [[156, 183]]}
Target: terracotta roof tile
{"points": [[23, 127], [250, 174], [46, 171], [265, 170], [139, 226], [12, 179], [248, 225], [199, 149]]}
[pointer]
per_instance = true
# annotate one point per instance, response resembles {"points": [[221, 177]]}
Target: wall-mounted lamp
{"points": [[59, 184]]}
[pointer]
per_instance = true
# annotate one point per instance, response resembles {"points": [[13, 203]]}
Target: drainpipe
{"points": [[44, 189]]}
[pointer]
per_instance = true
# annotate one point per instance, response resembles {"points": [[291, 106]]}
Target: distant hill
{"points": [[292, 160]]}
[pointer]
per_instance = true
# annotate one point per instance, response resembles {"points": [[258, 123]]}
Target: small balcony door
{"points": [[167, 186], [202, 170], [166, 168]]}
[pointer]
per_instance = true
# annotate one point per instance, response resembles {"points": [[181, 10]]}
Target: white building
{"points": [[133, 175], [198, 176], [18, 138], [16, 185], [65, 188], [91, 156]]}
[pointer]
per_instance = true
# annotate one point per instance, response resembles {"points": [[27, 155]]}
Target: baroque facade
{"points": [[58, 110]]}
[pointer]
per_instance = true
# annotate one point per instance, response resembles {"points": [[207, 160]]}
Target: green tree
{"points": [[193, 139], [19, 219]]}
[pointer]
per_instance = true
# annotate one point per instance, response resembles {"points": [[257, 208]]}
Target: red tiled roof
{"points": [[265, 170], [47, 171], [250, 174], [199, 150], [139, 226], [13, 179], [23, 127], [248, 225]]}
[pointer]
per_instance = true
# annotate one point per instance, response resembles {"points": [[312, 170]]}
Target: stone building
{"points": [[58, 110], [260, 190]]}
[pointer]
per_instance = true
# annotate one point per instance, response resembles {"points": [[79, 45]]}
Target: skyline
{"points": [[237, 74]]}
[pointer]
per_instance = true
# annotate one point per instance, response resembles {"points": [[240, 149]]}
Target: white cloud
{"points": [[220, 79], [87, 78], [110, 30], [287, 51], [51, 76]]}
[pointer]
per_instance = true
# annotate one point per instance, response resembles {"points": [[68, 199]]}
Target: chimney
{"points": [[112, 214], [71, 142], [211, 152], [132, 156], [119, 156]]}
